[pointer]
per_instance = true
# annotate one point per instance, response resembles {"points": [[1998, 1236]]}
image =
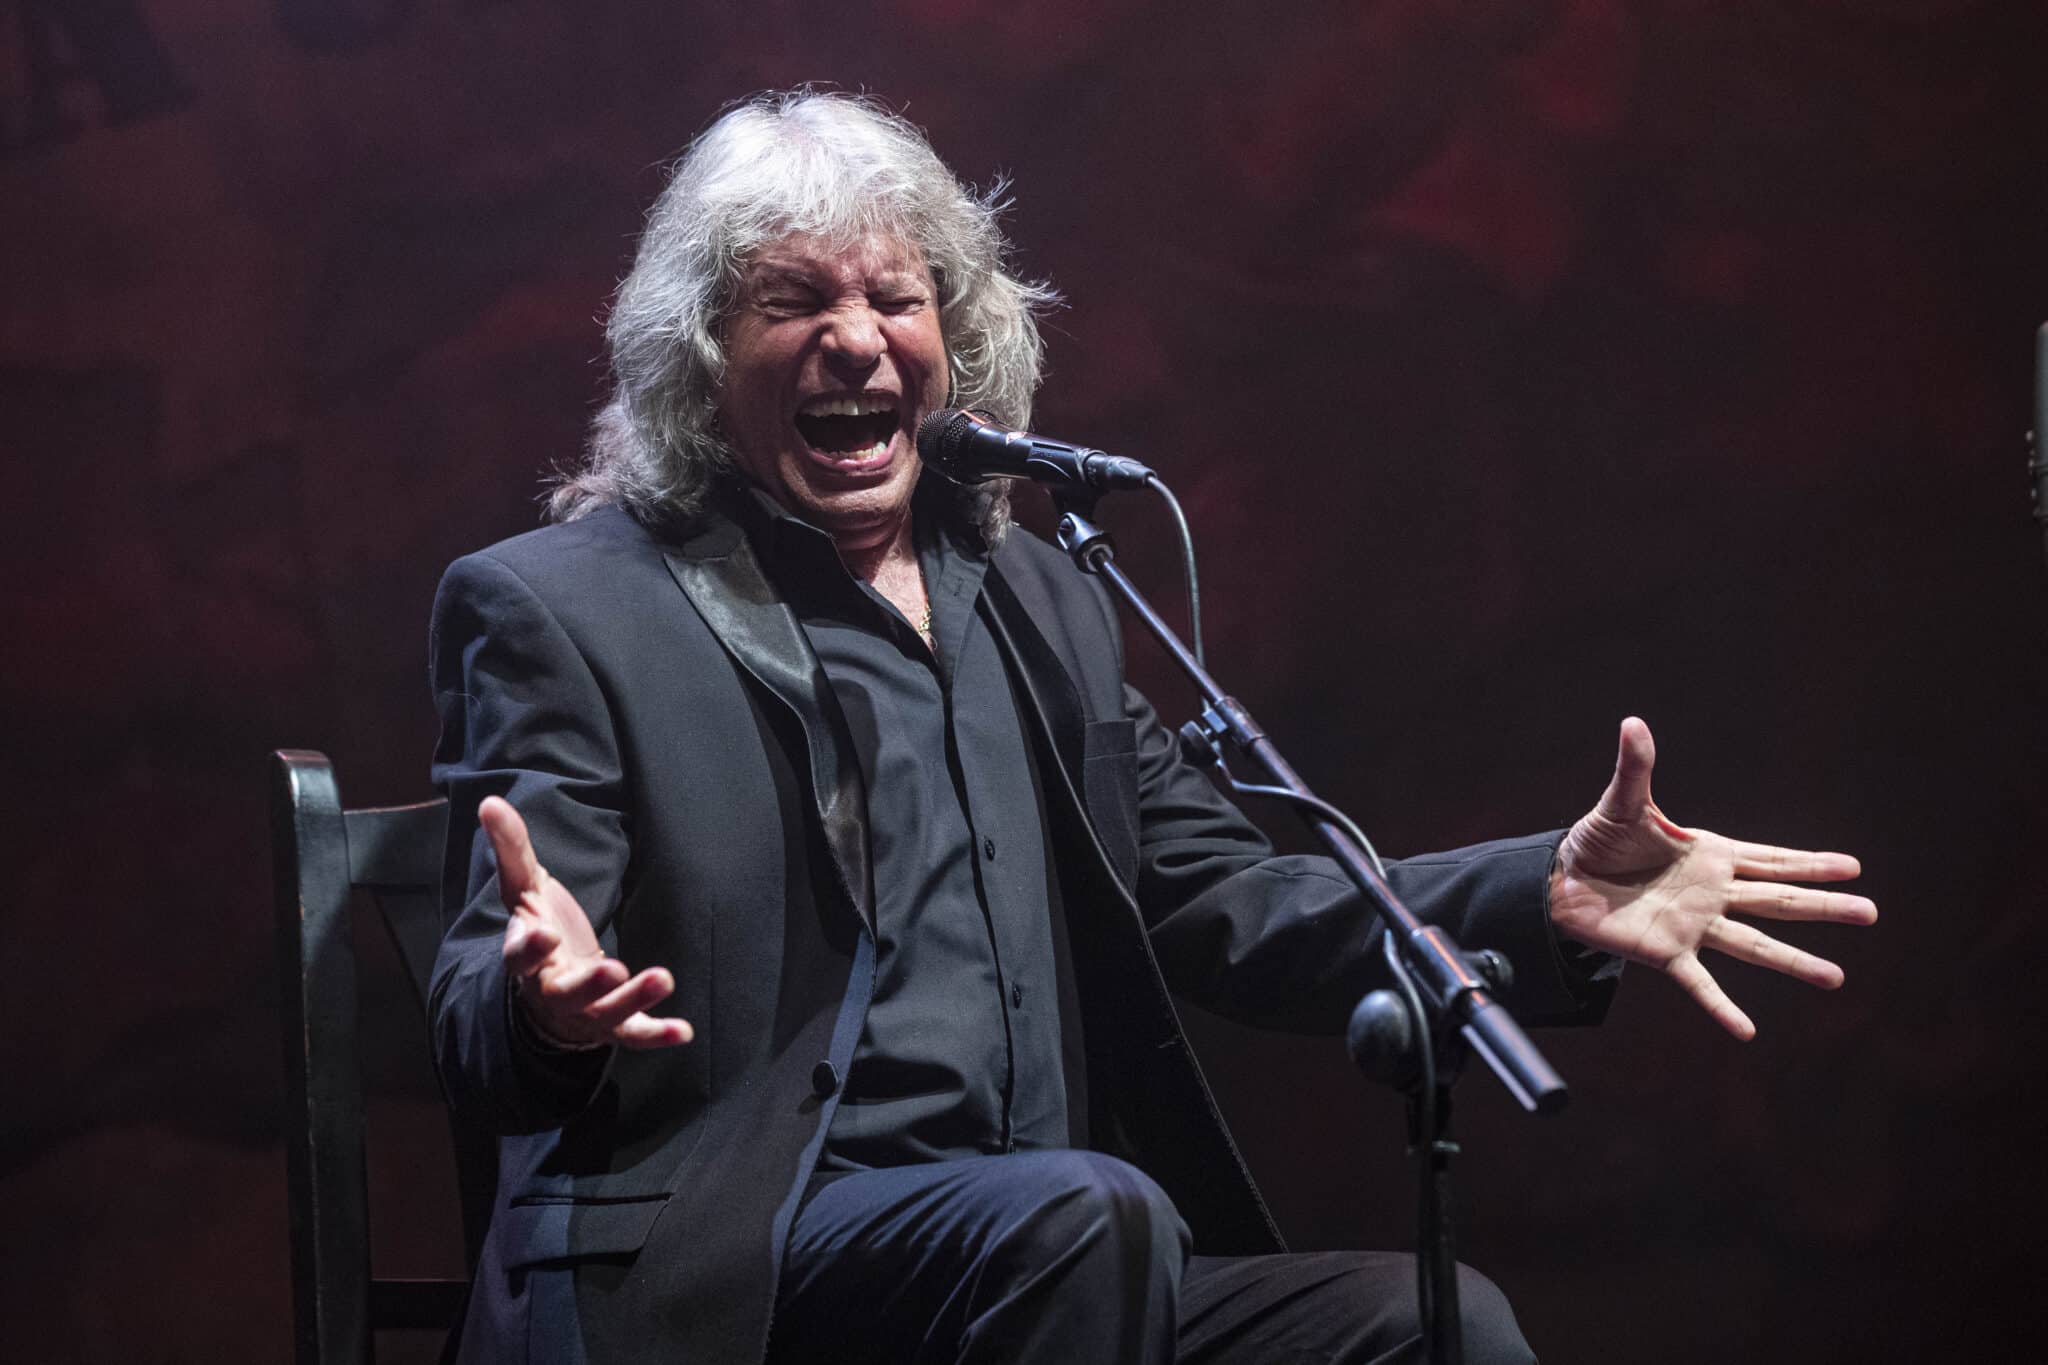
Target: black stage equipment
{"points": [[1415, 1037]]}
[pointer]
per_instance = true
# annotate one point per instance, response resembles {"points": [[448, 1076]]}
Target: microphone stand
{"points": [[1444, 1003]]}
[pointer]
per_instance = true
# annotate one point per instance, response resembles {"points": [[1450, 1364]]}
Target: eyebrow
{"points": [[765, 275], [769, 276]]}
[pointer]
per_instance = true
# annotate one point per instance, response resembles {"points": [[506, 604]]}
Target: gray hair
{"points": [[820, 163]]}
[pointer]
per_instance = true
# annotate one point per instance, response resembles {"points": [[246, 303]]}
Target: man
{"points": [[828, 762]]}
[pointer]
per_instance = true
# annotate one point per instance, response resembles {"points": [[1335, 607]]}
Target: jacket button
{"points": [[1016, 995], [824, 1079], [988, 848]]}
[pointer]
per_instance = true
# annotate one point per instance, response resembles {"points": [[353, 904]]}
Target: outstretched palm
{"points": [[1632, 883], [571, 991]]}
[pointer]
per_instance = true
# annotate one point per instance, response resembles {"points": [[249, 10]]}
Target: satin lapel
{"points": [[717, 570]]}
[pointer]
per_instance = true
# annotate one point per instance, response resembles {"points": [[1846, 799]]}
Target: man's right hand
{"points": [[570, 991]]}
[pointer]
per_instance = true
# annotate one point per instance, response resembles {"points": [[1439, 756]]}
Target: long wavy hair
{"points": [[820, 163]]}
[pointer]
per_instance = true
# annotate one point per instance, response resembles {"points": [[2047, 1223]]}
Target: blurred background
{"points": [[1523, 364]]}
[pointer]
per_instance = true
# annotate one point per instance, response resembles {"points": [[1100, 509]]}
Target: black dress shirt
{"points": [[961, 1051]]}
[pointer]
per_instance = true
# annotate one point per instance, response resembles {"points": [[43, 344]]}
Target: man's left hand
{"points": [[1630, 882]]}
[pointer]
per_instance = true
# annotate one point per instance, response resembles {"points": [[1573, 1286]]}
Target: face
{"points": [[833, 356]]}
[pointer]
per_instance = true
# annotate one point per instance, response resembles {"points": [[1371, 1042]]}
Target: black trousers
{"points": [[1074, 1258]]}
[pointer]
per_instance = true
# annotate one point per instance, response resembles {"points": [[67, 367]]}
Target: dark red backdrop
{"points": [[1523, 363]]}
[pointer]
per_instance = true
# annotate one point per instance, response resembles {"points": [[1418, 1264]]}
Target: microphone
{"points": [[967, 447]]}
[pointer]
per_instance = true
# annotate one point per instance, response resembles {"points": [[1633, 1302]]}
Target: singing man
{"points": [[824, 891]]}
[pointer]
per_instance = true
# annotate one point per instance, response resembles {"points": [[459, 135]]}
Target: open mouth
{"points": [[848, 426]]}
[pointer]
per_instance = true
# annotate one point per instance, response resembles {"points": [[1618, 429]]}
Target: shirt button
{"points": [[824, 1079], [1016, 995], [988, 848]]}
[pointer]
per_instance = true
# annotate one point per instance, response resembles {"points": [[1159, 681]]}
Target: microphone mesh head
{"points": [[942, 439]]}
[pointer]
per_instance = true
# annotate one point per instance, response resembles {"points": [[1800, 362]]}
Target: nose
{"points": [[853, 336]]}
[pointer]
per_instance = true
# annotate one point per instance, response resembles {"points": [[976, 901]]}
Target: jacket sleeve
{"points": [[1287, 942], [522, 717]]}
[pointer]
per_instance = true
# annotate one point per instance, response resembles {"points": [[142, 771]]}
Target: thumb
{"points": [[518, 869], [1628, 794]]}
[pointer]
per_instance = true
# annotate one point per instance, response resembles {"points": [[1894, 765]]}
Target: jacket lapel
{"points": [[717, 570], [1052, 701]]}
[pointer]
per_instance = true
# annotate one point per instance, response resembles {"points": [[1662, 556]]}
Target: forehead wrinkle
{"points": [[805, 258]]}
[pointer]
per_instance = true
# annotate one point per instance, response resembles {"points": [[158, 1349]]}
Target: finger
{"points": [[528, 945], [558, 909], [1770, 863], [571, 988], [1628, 792], [1747, 943], [1699, 983], [644, 991], [1775, 900], [643, 1032], [519, 871]]}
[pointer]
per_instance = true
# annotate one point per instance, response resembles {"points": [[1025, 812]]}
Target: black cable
{"points": [[1314, 803], [1427, 1119], [1187, 555], [1427, 1134]]}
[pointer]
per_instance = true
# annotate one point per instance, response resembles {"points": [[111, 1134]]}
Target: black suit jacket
{"points": [[652, 708]]}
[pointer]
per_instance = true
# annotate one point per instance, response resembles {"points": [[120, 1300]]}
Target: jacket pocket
{"points": [[1109, 757], [537, 1228]]}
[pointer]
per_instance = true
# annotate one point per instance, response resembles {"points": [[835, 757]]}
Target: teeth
{"points": [[848, 406]]}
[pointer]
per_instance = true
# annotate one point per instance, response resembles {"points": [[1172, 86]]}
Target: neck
{"points": [[873, 553]]}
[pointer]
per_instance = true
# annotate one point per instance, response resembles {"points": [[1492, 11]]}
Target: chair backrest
{"points": [[321, 854]]}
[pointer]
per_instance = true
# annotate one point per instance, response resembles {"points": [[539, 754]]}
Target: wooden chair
{"points": [[322, 854]]}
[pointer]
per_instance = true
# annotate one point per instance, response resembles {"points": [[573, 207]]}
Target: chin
{"points": [[856, 512]]}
